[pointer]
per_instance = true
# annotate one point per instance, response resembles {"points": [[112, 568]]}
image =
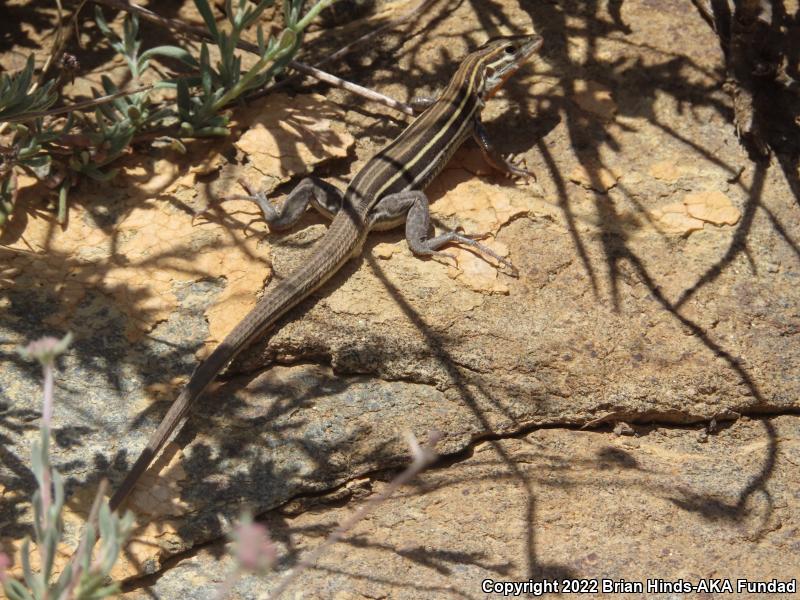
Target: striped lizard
{"points": [[385, 193]]}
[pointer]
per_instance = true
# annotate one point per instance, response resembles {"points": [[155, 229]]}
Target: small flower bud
{"points": [[45, 349], [255, 551]]}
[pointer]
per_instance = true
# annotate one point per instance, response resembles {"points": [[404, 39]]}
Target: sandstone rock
{"points": [[665, 507], [595, 98], [613, 319], [712, 207]]}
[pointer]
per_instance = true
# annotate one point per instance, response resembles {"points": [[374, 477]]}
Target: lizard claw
{"points": [[260, 198], [475, 236], [447, 256], [514, 170]]}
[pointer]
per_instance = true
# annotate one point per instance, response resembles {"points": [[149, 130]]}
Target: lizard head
{"points": [[499, 58]]}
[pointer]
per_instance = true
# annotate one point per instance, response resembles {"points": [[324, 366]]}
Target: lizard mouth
{"points": [[530, 44]]}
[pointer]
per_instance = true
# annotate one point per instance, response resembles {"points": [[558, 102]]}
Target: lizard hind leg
{"points": [[324, 197], [413, 206]]}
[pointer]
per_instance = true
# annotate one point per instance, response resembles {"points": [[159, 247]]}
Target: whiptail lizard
{"points": [[384, 194]]}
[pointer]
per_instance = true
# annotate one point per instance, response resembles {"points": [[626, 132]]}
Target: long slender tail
{"points": [[200, 380], [332, 251]]}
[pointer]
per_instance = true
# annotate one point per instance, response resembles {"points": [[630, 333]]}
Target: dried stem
{"points": [[314, 72], [227, 585], [423, 456], [350, 47], [62, 37], [47, 418]]}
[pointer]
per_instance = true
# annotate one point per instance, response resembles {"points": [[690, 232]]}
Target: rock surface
{"points": [[670, 503], [621, 315]]}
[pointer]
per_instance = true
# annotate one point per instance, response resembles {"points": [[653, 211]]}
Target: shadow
{"points": [[535, 568], [16, 474], [237, 433], [616, 457], [17, 23], [738, 241], [706, 505], [589, 137], [716, 510], [646, 81]]}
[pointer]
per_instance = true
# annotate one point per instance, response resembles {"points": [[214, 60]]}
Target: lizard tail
{"points": [[332, 252]]}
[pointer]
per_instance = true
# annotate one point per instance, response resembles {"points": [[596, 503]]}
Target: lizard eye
{"points": [[510, 49]]}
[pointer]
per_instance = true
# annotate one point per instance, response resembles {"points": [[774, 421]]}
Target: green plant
{"points": [[17, 99], [117, 122], [225, 82], [87, 145], [85, 577], [15, 95]]}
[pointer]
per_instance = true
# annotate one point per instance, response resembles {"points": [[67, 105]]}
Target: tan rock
{"points": [[674, 218], [13, 549], [208, 163], [150, 542], [594, 175], [713, 207], [151, 249], [479, 205], [158, 494], [348, 300], [384, 251], [152, 178], [479, 272], [289, 135], [587, 330], [666, 170], [655, 494], [595, 98]]}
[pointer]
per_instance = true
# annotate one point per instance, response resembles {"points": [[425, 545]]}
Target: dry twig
{"points": [[314, 72]]}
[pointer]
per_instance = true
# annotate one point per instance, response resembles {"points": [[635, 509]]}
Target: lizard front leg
{"points": [[412, 206], [324, 197], [493, 157]]}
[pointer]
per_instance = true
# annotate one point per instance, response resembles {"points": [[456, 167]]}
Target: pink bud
{"points": [[255, 551], [5, 562], [46, 349]]}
